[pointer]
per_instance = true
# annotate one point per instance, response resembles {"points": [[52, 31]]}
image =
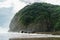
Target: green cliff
{"points": [[37, 17]]}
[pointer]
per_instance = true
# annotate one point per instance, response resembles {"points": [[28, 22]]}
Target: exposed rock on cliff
{"points": [[37, 17]]}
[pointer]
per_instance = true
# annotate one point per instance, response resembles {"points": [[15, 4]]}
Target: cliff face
{"points": [[37, 17]]}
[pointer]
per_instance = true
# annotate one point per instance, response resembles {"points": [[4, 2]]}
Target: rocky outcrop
{"points": [[37, 17]]}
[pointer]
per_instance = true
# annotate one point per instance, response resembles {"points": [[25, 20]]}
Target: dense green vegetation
{"points": [[41, 16]]}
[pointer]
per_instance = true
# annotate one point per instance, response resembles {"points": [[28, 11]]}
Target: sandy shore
{"points": [[35, 39], [26, 35], [34, 36]]}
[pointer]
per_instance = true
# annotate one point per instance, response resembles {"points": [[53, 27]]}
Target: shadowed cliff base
{"points": [[36, 17]]}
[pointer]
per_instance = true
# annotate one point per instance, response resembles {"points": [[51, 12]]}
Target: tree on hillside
{"points": [[37, 17]]}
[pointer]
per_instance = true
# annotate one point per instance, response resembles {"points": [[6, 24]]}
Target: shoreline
{"points": [[25, 35], [35, 38]]}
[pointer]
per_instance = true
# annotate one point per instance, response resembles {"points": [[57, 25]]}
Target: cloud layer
{"points": [[3, 30], [6, 4], [8, 9]]}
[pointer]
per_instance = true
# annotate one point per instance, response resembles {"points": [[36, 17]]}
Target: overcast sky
{"points": [[9, 7], [7, 10]]}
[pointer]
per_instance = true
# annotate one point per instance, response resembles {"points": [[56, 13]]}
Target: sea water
{"points": [[4, 36], [7, 35]]}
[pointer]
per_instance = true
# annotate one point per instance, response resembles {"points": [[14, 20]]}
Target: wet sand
{"points": [[35, 39]]}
